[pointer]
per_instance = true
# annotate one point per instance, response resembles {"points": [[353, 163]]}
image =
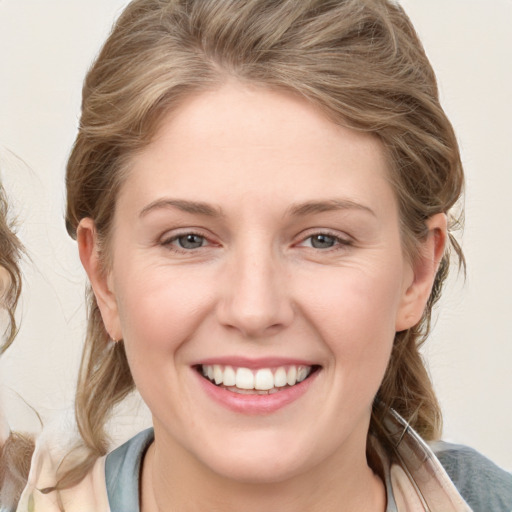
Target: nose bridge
{"points": [[255, 300]]}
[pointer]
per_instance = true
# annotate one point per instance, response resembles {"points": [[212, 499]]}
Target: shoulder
{"points": [[483, 484], [110, 486]]}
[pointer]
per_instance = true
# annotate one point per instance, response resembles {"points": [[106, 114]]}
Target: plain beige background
{"points": [[45, 49]]}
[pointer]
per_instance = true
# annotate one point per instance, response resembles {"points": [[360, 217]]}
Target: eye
{"points": [[190, 241], [322, 241], [325, 241], [185, 242]]}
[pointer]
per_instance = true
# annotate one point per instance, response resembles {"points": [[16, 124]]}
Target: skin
{"points": [[276, 173]]}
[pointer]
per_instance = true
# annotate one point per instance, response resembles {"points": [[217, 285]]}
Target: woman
{"points": [[261, 193]]}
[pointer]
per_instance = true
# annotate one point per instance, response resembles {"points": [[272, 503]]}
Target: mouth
{"points": [[260, 381]]}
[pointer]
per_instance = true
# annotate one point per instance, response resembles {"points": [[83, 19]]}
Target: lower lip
{"points": [[256, 404]]}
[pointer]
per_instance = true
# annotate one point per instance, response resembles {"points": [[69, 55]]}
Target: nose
{"points": [[255, 294]]}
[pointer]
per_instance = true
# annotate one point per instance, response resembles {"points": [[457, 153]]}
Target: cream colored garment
{"points": [[418, 479], [409, 499], [54, 443], [90, 495]]}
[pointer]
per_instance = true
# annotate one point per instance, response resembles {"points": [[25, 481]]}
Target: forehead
{"points": [[243, 141]]}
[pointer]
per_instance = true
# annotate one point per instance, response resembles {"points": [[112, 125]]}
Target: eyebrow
{"points": [[311, 207], [194, 207], [297, 210]]}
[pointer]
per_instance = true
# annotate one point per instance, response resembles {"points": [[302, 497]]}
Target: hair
{"points": [[17, 450], [359, 61], [10, 289]]}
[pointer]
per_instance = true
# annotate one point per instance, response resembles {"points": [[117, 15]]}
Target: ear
{"points": [[424, 269], [101, 281]]}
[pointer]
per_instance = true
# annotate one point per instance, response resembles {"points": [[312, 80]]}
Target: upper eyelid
{"points": [[308, 233], [173, 234]]}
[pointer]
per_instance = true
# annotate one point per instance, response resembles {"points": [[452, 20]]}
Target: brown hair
{"points": [[10, 253], [359, 61], [17, 450]]}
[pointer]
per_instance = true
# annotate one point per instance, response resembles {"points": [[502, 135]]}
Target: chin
{"points": [[259, 461], [263, 471]]}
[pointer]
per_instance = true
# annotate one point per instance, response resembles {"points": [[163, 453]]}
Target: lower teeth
{"points": [[253, 391]]}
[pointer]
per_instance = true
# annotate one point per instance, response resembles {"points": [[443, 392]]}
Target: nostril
{"points": [[258, 322]]}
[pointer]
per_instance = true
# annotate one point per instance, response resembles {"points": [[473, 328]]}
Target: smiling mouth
{"points": [[263, 381]]}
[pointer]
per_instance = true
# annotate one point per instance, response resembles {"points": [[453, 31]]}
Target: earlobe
{"points": [[99, 279], [424, 270]]}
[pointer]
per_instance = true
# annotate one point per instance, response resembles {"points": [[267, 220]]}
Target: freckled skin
{"points": [[256, 283]]}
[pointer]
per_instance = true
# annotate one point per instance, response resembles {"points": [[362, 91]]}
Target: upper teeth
{"points": [[262, 379]]}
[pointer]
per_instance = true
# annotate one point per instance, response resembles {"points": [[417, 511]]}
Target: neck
{"points": [[174, 480]]}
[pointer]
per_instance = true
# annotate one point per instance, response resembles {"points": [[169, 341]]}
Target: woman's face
{"points": [[256, 242]]}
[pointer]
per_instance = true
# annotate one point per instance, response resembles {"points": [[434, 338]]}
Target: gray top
{"points": [[481, 483], [484, 486], [122, 472]]}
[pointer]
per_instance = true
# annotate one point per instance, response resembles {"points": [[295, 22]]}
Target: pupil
{"points": [[190, 241], [322, 241]]}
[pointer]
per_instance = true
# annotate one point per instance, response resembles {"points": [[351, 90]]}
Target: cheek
{"points": [[354, 312], [159, 309], [159, 313], [354, 301]]}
